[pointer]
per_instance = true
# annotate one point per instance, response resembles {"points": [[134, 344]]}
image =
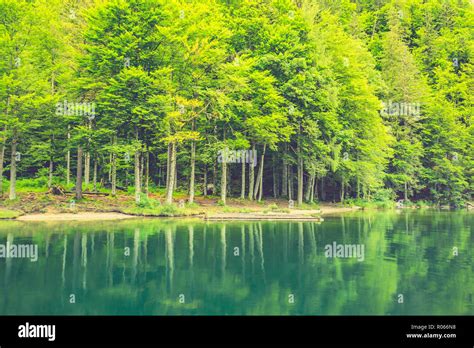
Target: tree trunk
{"points": [[257, 184], [137, 177], [13, 170], [242, 190], [142, 171], [110, 167], [260, 191], [300, 181], [290, 182], [50, 173], [171, 174], [224, 182], [147, 172], [309, 188], [95, 175], [229, 180], [313, 189], [260, 174], [68, 159], [300, 172], [204, 189], [251, 174], [137, 171], [50, 176], [87, 168], [79, 174], [175, 172], [168, 161], [2, 150], [342, 190], [284, 177], [2, 158], [193, 165], [113, 174]]}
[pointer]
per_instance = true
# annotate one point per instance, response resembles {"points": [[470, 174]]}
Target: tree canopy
{"points": [[336, 99]]}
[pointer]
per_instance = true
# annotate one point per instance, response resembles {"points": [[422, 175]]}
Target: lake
{"points": [[363, 263]]}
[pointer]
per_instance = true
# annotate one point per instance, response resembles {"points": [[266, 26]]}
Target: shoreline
{"points": [[82, 216], [293, 215], [50, 207]]}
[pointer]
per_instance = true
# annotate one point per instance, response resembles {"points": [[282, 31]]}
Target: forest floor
{"points": [[40, 206], [74, 216]]}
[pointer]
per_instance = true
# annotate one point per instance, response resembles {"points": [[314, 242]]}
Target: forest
{"points": [[314, 100]]}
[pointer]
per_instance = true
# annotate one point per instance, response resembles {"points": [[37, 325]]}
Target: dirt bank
{"points": [[71, 217]]}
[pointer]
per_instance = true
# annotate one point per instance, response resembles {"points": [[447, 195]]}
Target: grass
{"points": [[9, 214], [165, 210], [151, 205], [376, 204], [309, 206], [274, 208], [228, 209], [34, 198], [193, 205]]}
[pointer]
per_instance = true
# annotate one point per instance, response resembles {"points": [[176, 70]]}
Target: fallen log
{"points": [[56, 190]]}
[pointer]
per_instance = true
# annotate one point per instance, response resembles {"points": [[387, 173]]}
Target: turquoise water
{"points": [[418, 263]]}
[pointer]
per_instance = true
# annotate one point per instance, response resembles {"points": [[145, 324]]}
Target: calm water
{"points": [[156, 267]]}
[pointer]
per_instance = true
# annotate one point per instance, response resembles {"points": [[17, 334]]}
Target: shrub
{"points": [[423, 204], [32, 184], [148, 203], [273, 207], [193, 205], [168, 210], [364, 204], [383, 195]]}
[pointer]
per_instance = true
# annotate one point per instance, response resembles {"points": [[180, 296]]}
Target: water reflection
{"points": [[144, 266]]}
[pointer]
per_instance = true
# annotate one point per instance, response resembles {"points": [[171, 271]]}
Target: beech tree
{"points": [[339, 100]]}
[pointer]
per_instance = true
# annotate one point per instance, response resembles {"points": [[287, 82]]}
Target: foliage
{"points": [[359, 101]]}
